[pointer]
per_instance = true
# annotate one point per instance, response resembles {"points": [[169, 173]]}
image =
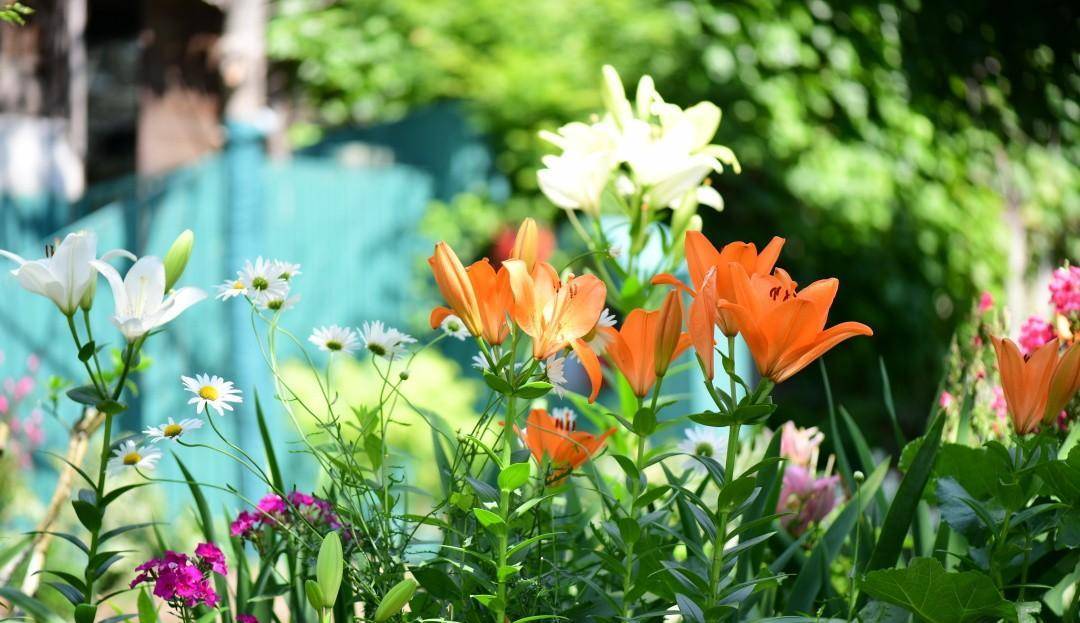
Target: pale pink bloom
{"points": [[33, 362], [986, 302], [998, 406], [33, 428], [1065, 289], [945, 400], [5, 406], [805, 499], [23, 387], [800, 445], [1034, 333]]}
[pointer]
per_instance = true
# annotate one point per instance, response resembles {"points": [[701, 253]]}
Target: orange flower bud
{"points": [[525, 244], [669, 331]]}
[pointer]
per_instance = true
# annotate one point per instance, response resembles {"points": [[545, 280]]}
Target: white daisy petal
{"points": [[172, 431], [334, 339], [211, 392], [383, 341]]}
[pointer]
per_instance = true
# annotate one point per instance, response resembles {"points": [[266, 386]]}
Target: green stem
{"points": [[504, 511], [717, 561], [86, 364]]}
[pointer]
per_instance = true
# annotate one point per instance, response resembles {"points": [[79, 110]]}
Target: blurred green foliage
{"points": [[887, 141]]}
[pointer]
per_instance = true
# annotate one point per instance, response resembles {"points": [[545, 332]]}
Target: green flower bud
{"points": [[314, 595], [396, 599], [177, 258]]}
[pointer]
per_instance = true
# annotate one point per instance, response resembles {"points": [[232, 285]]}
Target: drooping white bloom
{"points": [[334, 339], [211, 392], [576, 179], [130, 456], [65, 276], [172, 430], [231, 288], [141, 303], [555, 369], [454, 327], [383, 341], [703, 441], [263, 281], [283, 304]]}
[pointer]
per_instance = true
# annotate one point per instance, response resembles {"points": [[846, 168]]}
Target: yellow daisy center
{"points": [[238, 285], [132, 458], [208, 392], [172, 430], [333, 345]]}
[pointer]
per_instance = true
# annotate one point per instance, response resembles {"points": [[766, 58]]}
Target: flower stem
{"points": [[504, 511], [717, 562]]}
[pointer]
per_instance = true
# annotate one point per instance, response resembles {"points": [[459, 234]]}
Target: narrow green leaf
{"points": [[268, 446], [902, 510]]}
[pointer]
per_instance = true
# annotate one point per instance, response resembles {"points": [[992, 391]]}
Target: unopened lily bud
{"points": [[314, 595], [615, 97], [456, 287], [88, 296], [525, 244], [395, 600], [643, 99], [669, 330], [177, 258]]}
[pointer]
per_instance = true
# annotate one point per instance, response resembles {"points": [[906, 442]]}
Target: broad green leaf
{"points": [[513, 476], [147, 612], [487, 518], [934, 595]]}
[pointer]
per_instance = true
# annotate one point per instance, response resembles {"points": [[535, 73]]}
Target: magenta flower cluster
{"points": [[273, 510], [184, 581], [1034, 333], [805, 498], [1065, 290]]}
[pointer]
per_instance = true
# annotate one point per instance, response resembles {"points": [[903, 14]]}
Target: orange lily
{"points": [[525, 244], [635, 346], [784, 327], [557, 315], [712, 283], [478, 295], [558, 439], [1037, 387]]}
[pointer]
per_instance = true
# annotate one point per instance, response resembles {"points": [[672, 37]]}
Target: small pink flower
{"points": [[1034, 333], [245, 525], [800, 445], [1065, 289], [23, 387], [33, 362], [986, 302], [210, 555], [805, 499], [246, 618], [945, 400], [4, 404], [301, 499], [272, 504], [32, 428]]}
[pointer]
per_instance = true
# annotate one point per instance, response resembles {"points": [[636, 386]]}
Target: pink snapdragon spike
{"points": [[986, 302], [1034, 333], [945, 400], [800, 445], [1065, 289], [181, 581], [805, 499]]}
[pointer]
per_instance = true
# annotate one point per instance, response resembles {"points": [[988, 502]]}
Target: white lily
{"points": [[67, 277], [141, 303]]}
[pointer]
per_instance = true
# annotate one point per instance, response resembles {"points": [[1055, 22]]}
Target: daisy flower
{"points": [[479, 362], [229, 289], [454, 327], [131, 455], [211, 391], [283, 304], [601, 337], [262, 281], [703, 441], [383, 341], [284, 270], [334, 339], [555, 368], [172, 430]]}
